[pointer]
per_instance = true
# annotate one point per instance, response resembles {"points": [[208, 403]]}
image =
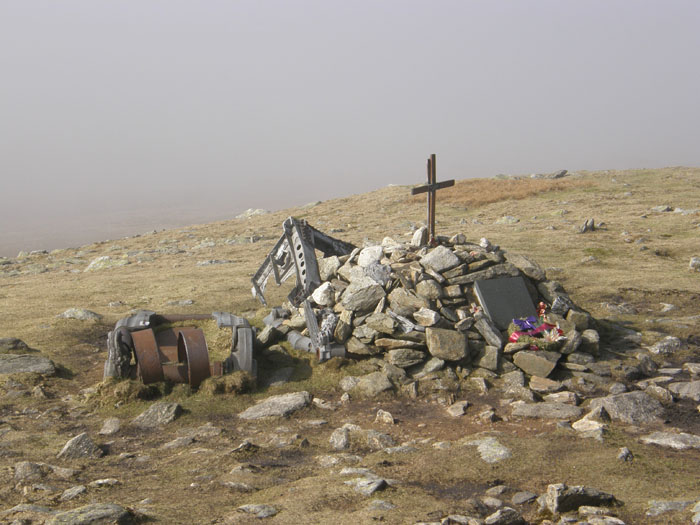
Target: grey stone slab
{"points": [[504, 299]]}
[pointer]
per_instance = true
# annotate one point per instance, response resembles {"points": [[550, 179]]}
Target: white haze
{"points": [[123, 116]]}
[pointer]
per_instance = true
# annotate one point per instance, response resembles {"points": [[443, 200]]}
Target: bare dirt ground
{"points": [[638, 259]]}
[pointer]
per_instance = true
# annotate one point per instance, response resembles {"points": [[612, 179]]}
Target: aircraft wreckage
{"points": [[155, 347]]}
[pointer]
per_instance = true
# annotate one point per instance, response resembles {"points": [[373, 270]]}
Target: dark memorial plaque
{"points": [[504, 299]]}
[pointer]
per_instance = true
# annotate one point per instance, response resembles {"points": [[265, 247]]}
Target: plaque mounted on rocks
{"points": [[504, 299]]}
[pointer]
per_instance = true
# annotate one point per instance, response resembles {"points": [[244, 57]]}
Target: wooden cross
{"points": [[431, 188]]}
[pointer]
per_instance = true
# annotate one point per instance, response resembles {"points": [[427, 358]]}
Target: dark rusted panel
{"points": [[147, 356], [195, 347], [167, 344], [216, 368], [176, 372]]}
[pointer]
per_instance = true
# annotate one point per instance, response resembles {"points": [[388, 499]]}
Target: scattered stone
{"points": [[547, 410], [379, 440], [694, 264], [80, 314], [490, 450], [106, 482], [340, 439], [277, 406], [362, 295], [520, 498], [158, 414], [259, 511], [625, 454], [111, 426], [384, 417], [26, 363], [686, 390], [561, 498], [367, 487], [458, 408], [81, 446], [632, 407], [73, 492], [12, 345], [656, 508], [681, 441], [93, 514], [667, 346], [373, 384], [380, 504], [105, 261]]}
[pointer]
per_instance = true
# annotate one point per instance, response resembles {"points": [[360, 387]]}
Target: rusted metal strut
{"points": [[176, 354]]}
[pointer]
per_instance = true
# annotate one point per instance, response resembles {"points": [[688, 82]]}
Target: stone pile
{"points": [[414, 307]]}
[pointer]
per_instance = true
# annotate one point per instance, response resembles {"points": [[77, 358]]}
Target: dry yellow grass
{"points": [[548, 213]]}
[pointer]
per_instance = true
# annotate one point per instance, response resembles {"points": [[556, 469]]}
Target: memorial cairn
{"points": [[439, 314]]}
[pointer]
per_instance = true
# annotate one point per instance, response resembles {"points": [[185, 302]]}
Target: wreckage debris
{"points": [[144, 345]]}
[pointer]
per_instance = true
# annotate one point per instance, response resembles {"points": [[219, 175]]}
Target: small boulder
{"points": [[158, 414], [449, 345], [277, 406], [81, 446]]}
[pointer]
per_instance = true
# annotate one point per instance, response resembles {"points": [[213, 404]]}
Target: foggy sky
{"points": [[116, 112]]}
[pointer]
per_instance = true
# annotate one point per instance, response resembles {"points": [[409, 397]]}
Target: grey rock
{"points": [[540, 363], [490, 450], [405, 357], [367, 487], [432, 365], [547, 411], [26, 363], [590, 340], [328, 267], [277, 406], [570, 398], [692, 368], [526, 265], [487, 358], [405, 302], [379, 440], [373, 384], [631, 407], [446, 344], [110, 426], [440, 259], [656, 508], [498, 270], [380, 504], [625, 454], [686, 390], [259, 511], [420, 237], [681, 441], [382, 323], [324, 295], [694, 264], [426, 317], [93, 514], [158, 414], [457, 408], [365, 333], [80, 314], [560, 498], [10, 344], [81, 446], [520, 498], [29, 471], [340, 439], [73, 492], [370, 255], [347, 383], [489, 332], [105, 261], [659, 393], [543, 385], [505, 516], [429, 289], [667, 346], [514, 378], [355, 346], [362, 295], [379, 273]]}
